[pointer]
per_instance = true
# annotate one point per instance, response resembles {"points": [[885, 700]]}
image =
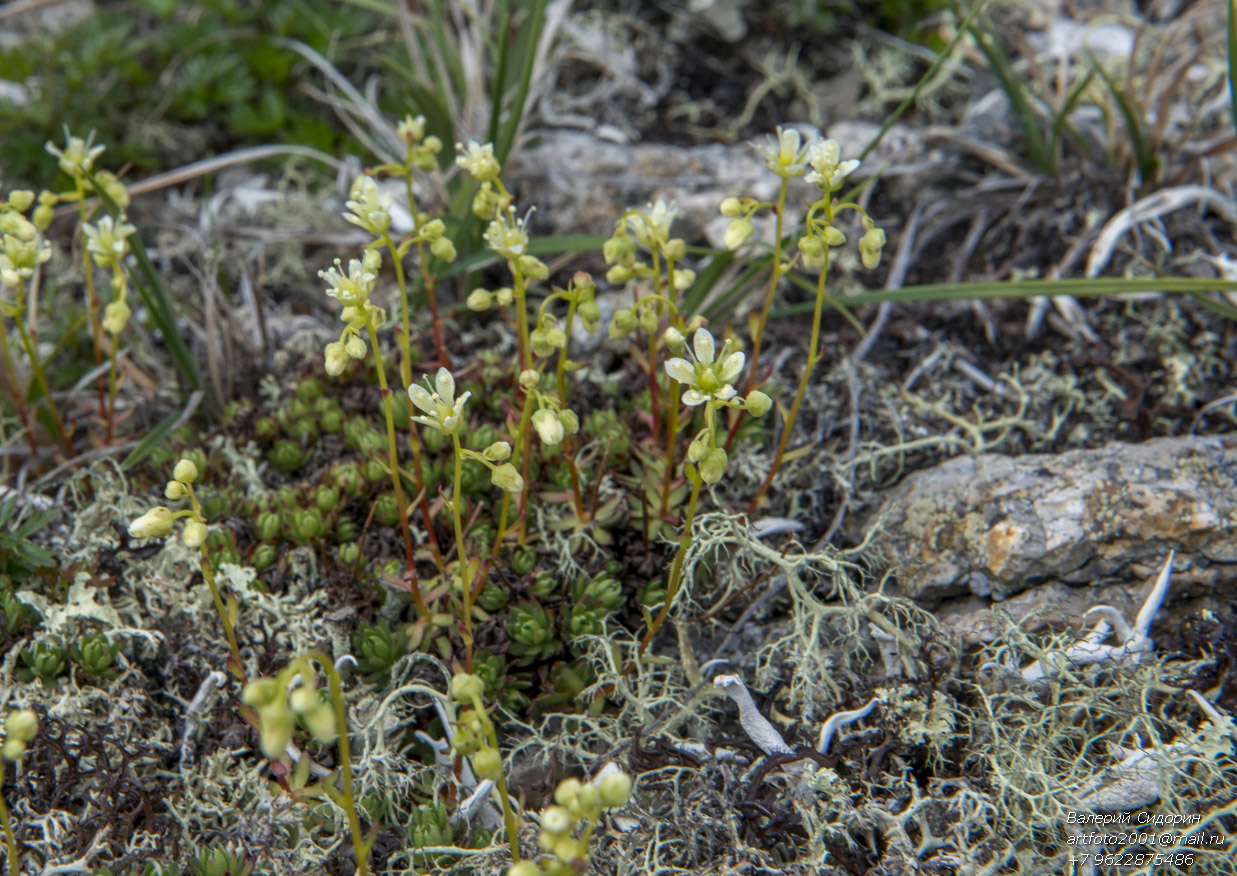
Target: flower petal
{"points": [[731, 366], [422, 399], [445, 384], [692, 397], [702, 343], [725, 393], [681, 370]]}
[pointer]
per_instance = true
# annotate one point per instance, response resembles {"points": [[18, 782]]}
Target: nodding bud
{"points": [[505, 477], [194, 534], [155, 523], [548, 426], [529, 379], [466, 688], [615, 789], [674, 340], [713, 466], [336, 359], [730, 207], [757, 403], [499, 451], [186, 471], [480, 300]]}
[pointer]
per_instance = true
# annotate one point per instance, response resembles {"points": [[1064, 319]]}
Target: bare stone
{"points": [[996, 525]]}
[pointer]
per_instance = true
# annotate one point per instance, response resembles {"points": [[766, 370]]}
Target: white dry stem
{"points": [[193, 720], [755, 725]]}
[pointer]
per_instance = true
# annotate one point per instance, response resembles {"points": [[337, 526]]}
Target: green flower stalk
{"points": [[159, 521], [828, 173], [108, 243], [476, 737], [353, 290], [278, 704], [709, 382], [443, 412]]}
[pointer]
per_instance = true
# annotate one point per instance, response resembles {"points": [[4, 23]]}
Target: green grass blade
{"points": [[1066, 108], [925, 79], [1018, 94], [444, 40], [155, 295], [1077, 287], [153, 439], [498, 88], [1147, 164], [706, 279], [1232, 60], [527, 41]]}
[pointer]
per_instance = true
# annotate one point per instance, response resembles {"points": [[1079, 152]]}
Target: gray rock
{"points": [[994, 525]]}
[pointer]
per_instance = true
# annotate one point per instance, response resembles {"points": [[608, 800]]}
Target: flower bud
{"points": [[278, 723], [505, 477], [155, 523], [674, 341], [557, 821], [534, 268], [321, 722], [174, 490], [260, 692], [813, 249], [116, 317], [757, 403], [713, 466], [590, 314], [186, 471], [504, 296], [336, 359], [479, 300], [21, 199], [466, 688], [444, 249], [568, 793], [615, 789], [675, 249], [14, 750], [699, 446], [194, 534], [548, 426], [618, 275], [832, 236], [355, 347], [619, 250], [487, 764], [738, 233], [683, 279], [730, 207], [623, 323], [22, 724], [524, 868], [499, 451], [870, 246], [539, 338], [529, 379], [571, 423]]}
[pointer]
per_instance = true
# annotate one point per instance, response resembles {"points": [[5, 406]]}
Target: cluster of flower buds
{"points": [[159, 520], [278, 709], [650, 228], [352, 290], [548, 337], [19, 728], [422, 150], [554, 424], [474, 732], [22, 248], [575, 802], [478, 160], [480, 300], [108, 243]]}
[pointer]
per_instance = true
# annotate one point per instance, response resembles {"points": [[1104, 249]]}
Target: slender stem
{"points": [[513, 834], [405, 361], [359, 844], [39, 377], [93, 304], [569, 443], [672, 434], [676, 569], [759, 334], [457, 517], [10, 839], [208, 572], [813, 356], [19, 397], [431, 297], [396, 485]]}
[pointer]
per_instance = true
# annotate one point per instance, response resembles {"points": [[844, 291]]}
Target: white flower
{"points": [[444, 409], [785, 156], [353, 289], [507, 236], [478, 159], [411, 130], [652, 227], [371, 209], [78, 155], [706, 378], [828, 171], [108, 241], [548, 426]]}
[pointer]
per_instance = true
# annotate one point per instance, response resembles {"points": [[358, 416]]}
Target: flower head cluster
{"points": [[434, 232], [369, 208], [19, 728], [422, 150], [19, 258], [278, 710], [478, 159], [159, 520], [575, 802], [651, 226], [508, 236], [108, 241], [786, 155], [352, 290], [443, 410], [77, 157]]}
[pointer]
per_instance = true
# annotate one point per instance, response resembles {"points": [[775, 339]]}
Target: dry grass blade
{"points": [[1153, 207]]}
